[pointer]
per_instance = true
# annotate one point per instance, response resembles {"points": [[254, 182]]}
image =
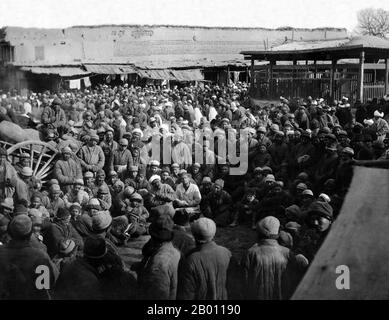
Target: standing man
{"points": [[265, 263], [121, 159], [92, 156], [67, 170], [203, 274], [8, 176], [19, 262], [157, 275]]}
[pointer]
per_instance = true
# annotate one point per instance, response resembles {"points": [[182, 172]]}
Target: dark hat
{"points": [[63, 213], [181, 217], [322, 209], [20, 209], [162, 228], [75, 205], [165, 169], [57, 102], [20, 226], [103, 189], [95, 248], [330, 136]]}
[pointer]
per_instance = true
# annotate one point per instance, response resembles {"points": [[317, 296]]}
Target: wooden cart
{"points": [[42, 156]]}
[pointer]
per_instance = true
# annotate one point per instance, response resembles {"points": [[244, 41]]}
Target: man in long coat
{"points": [[92, 156], [67, 170], [203, 274], [157, 276], [265, 263]]}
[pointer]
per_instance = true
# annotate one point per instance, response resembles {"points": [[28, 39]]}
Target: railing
{"points": [[373, 90]]}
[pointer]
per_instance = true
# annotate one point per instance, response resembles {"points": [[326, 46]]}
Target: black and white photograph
{"points": [[204, 150]]}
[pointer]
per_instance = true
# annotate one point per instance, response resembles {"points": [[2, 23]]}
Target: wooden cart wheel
{"points": [[41, 154]]}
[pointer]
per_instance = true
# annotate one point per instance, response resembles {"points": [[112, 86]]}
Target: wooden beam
{"points": [[361, 76], [386, 76]]}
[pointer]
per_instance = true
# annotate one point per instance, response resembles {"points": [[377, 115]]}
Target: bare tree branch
{"points": [[373, 22]]}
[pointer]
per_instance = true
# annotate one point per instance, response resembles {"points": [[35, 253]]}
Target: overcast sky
{"points": [[235, 13]]}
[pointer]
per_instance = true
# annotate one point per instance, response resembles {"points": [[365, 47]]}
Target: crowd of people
{"points": [[109, 187]]}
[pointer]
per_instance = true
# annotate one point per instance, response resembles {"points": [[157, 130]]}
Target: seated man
{"points": [[188, 196], [218, 204], [160, 193], [76, 195]]}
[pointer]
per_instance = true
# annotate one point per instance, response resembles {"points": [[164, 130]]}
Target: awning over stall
{"points": [[109, 68], [61, 71], [173, 75]]}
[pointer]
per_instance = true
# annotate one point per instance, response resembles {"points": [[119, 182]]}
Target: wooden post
{"points": [[252, 77], [293, 78], [332, 80], [228, 75], [386, 76], [270, 93], [360, 76], [247, 74]]}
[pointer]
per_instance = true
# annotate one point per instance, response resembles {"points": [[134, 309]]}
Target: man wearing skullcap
{"points": [[91, 156], [158, 271], [24, 259], [203, 275], [67, 170], [121, 159]]}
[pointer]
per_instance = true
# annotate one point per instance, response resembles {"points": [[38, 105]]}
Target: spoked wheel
{"points": [[41, 154]]}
